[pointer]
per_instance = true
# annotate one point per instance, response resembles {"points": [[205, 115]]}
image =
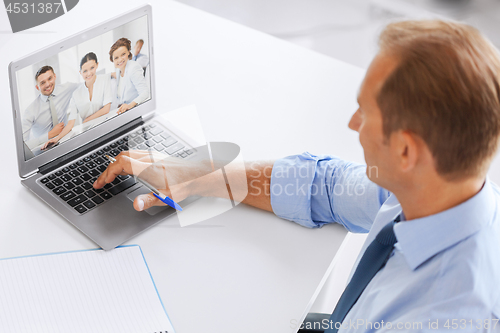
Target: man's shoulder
{"points": [[34, 104]]}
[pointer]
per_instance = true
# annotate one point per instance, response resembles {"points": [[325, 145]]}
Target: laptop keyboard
{"points": [[72, 184]]}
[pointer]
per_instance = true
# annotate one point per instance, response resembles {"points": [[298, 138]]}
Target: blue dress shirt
{"points": [[444, 273]]}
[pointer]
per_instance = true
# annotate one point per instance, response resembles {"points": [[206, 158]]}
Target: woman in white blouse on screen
{"points": [[132, 88], [93, 98]]}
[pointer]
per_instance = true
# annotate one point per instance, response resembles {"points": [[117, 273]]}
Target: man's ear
{"points": [[408, 150], [37, 87]]}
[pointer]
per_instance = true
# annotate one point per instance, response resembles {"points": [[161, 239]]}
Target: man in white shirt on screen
{"points": [[46, 116]]}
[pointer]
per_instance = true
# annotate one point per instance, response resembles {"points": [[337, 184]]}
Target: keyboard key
{"points": [[87, 186], [108, 186], [107, 148], [59, 190], [87, 159], [183, 154], [85, 177], [57, 182], [147, 127], [68, 195], [158, 139], [66, 169], [152, 125], [99, 161], [82, 169], [94, 155], [133, 135], [165, 136], [113, 145], [78, 190], [66, 177], [142, 147], [190, 151], [78, 200], [50, 186], [94, 173], [172, 149], [114, 152], [97, 199], [124, 147], [106, 195], [90, 193], [73, 166], [100, 152], [100, 190], [120, 142], [91, 165], [122, 186], [101, 168], [89, 204], [44, 180], [168, 142], [155, 131], [80, 209], [52, 177], [68, 186], [159, 147], [149, 143], [76, 181], [74, 173], [80, 162], [116, 181], [123, 177], [148, 136]]}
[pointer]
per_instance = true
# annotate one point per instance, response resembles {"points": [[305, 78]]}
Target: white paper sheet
{"points": [[84, 291]]}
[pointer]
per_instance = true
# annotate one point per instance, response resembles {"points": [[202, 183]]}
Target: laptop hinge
{"points": [[52, 165]]}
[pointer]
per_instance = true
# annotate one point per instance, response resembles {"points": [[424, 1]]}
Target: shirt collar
{"points": [[54, 92], [422, 238]]}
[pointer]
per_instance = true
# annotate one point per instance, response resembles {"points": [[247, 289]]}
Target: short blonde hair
{"points": [[446, 90]]}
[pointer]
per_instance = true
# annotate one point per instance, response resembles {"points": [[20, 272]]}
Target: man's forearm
{"points": [[252, 179]]}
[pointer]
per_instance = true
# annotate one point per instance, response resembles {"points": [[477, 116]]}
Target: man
{"points": [[46, 117], [141, 58], [429, 123]]}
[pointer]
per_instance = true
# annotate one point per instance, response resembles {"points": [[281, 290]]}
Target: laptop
{"points": [[62, 173]]}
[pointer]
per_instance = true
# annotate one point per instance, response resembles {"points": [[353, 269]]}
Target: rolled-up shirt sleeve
{"points": [[314, 190]]}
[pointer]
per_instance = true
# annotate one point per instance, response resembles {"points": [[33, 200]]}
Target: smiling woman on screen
{"points": [[132, 88], [93, 98]]}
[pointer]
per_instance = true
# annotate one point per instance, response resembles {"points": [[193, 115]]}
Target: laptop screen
{"points": [[84, 86]]}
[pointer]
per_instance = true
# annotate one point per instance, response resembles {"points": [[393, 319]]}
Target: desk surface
{"points": [[245, 270]]}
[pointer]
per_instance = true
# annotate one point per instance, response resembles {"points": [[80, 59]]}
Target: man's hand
{"points": [[179, 178], [56, 130], [50, 142], [171, 176]]}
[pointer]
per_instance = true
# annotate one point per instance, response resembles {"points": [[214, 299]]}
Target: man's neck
{"points": [[432, 197]]}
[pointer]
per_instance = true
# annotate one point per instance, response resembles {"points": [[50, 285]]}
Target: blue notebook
{"points": [[82, 291]]}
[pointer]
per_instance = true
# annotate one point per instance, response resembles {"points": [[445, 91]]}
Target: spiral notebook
{"points": [[83, 291]]}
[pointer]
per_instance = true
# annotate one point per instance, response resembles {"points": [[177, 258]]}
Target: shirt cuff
{"points": [[291, 181]]}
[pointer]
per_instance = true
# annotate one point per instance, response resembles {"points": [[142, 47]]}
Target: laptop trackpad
{"points": [[144, 190]]}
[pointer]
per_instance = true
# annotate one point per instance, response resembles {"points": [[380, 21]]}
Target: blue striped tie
{"points": [[374, 258]]}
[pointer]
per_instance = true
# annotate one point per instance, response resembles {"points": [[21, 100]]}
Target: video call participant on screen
{"points": [[132, 88], [46, 117], [93, 98], [139, 57]]}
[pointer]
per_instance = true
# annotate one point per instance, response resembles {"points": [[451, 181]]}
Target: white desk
{"points": [[246, 270]]}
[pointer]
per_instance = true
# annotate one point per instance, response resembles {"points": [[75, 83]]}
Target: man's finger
{"points": [[145, 201], [124, 165]]}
